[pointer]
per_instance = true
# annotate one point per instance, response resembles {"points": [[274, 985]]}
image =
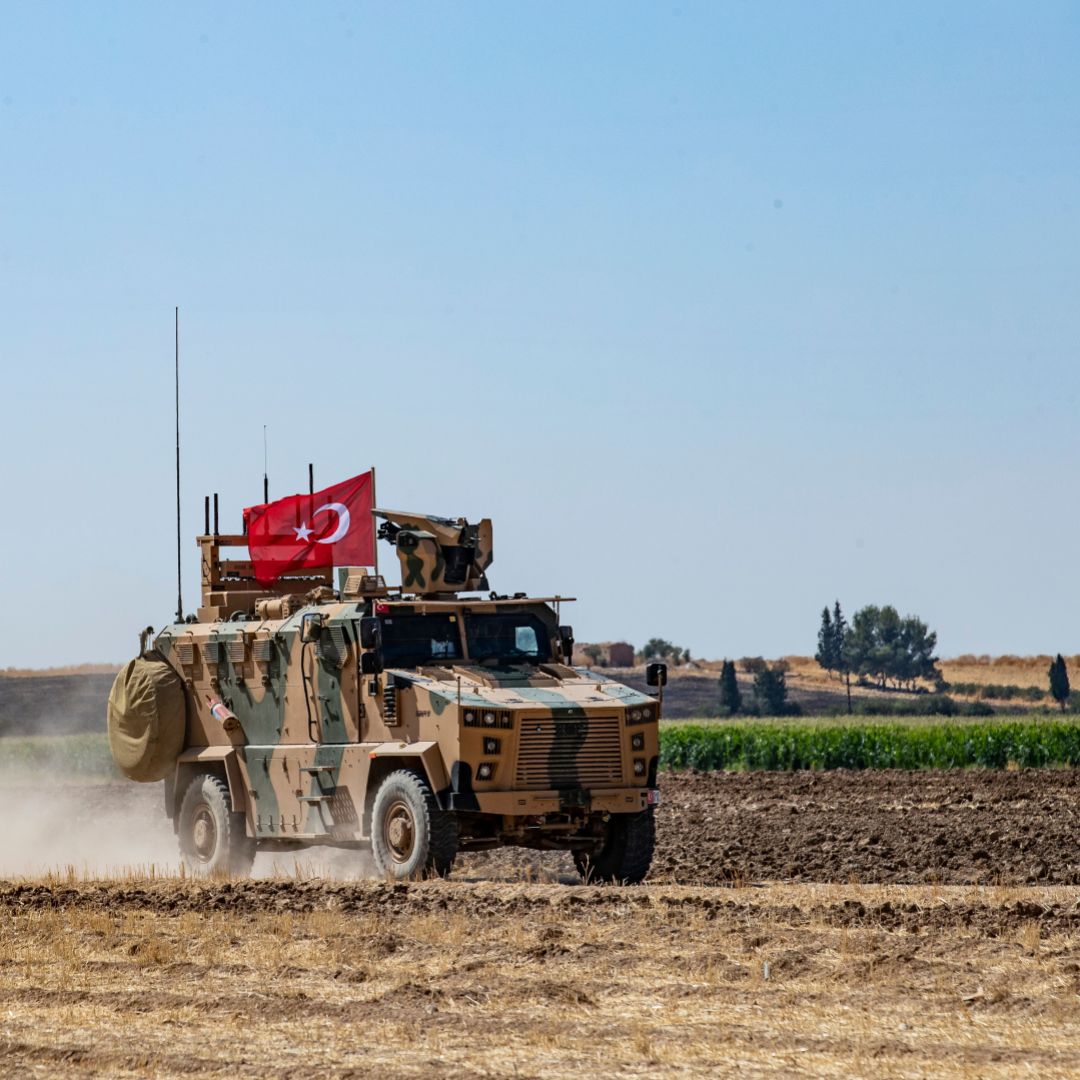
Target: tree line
{"points": [[878, 644], [770, 691], [881, 645]]}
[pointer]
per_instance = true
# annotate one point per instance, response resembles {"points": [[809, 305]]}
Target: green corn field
{"points": [[787, 746], [920, 743]]}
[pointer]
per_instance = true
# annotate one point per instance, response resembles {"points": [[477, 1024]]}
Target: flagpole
{"points": [[179, 581], [374, 538]]}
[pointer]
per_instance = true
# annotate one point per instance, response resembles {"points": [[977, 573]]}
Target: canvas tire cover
{"points": [[146, 718]]}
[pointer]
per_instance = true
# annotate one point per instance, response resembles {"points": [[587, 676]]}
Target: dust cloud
{"points": [[119, 829], [91, 830]]}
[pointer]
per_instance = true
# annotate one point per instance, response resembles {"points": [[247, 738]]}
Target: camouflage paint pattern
{"points": [[314, 736]]}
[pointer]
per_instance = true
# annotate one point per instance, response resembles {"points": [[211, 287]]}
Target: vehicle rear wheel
{"points": [[626, 852], [213, 839], [410, 836]]}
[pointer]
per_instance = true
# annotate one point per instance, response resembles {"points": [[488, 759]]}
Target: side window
{"points": [[443, 648]]}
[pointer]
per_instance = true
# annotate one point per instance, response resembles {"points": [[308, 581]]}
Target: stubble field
{"points": [[317, 979]]}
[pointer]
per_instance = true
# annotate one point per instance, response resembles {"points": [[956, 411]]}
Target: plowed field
{"points": [[960, 827]]}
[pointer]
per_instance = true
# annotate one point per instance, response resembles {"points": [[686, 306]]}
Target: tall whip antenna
{"points": [[179, 582]]}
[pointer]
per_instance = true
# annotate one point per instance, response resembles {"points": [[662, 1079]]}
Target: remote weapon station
{"points": [[419, 720]]}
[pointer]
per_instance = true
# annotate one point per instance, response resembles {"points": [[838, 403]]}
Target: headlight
{"points": [[470, 718], [489, 719], [486, 769], [491, 746], [637, 741], [639, 766]]}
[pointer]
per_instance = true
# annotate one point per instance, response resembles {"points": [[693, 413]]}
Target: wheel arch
{"points": [[423, 758], [220, 761]]}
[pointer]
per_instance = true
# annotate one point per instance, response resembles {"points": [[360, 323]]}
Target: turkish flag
{"points": [[333, 527]]}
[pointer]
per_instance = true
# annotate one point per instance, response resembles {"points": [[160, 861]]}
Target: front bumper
{"points": [[530, 803]]}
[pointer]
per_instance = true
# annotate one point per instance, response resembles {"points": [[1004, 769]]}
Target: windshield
{"points": [[410, 640], [510, 638]]}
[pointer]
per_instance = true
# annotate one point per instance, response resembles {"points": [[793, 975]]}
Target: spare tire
{"points": [[146, 718]]}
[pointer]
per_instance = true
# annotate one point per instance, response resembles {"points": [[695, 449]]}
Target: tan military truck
{"points": [[419, 720]]}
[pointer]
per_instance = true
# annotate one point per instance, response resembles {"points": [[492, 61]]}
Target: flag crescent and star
{"points": [[332, 527]]}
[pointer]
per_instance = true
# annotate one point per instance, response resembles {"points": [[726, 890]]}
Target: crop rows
{"points": [[766, 745], [921, 743]]}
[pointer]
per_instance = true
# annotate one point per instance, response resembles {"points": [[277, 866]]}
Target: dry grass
{"points": [[1004, 670], [986, 670], [510, 980], [71, 669]]}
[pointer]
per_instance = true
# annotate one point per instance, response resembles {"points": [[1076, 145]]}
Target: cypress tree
{"points": [[1059, 681], [770, 692], [730, 698], [826, 643], [839, 629]]}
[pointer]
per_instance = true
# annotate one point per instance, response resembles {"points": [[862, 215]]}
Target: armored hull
{"points": [[419, 725]]}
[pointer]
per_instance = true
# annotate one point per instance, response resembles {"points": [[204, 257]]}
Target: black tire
{"points": [[410, 836], [626, 852], [212, 838]]}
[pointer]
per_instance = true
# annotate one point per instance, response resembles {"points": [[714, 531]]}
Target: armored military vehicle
{"points": [[419, 720]]}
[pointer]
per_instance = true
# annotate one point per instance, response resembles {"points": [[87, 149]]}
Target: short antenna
{"points": [[179, 580], [266, 477]]}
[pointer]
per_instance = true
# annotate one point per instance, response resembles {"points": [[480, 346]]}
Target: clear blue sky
{"points": [[720, 311]]}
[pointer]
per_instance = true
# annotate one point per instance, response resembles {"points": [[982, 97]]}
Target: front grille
{"points": [[568, 752]]}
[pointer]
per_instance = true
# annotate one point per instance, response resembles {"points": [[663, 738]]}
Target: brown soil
{"points": [[961, 827], [956, 827], [914, 910]]}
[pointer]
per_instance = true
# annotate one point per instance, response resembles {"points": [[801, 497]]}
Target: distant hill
{"points": [[54, 704], [65, 701]]}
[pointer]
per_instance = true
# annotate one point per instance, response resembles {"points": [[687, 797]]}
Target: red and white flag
{"points": [[333, 527]]}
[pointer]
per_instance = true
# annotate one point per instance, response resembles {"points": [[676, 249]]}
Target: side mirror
{"points": [[370, 663], [656, 675], [311, 626], [566, 642], [370, 633]]}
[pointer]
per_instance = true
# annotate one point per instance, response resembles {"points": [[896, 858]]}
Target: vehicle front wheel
{"points": [[625, 853], [410, 836], [213, 839]]}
